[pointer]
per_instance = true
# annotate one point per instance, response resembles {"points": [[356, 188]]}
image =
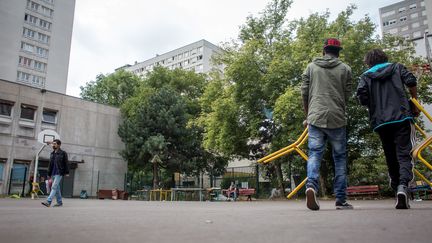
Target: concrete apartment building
{"points": [[88, 132], [35, 42], [410, 19], [195, 57]]}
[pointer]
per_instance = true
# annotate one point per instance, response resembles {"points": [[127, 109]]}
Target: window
{"points": [[390, 13], [425, 22], [422, 3], [49, 116], [30, 19], [199, 68], [47, 12], [27, 47], [424, 13], [28, 112], [42, 51], [390, 22], [200, 57], [40, 66], [44, 24], [38, 80], [28, 33], [414, 15], [413, 6], [393, 31], [22, 76], [32, 5], [402, 10], [415, 25], [407, 36], [402, 19], [24, 61], [2, 165], [417, 34], [405, 28], [43, 38], [200, 49], [6, 107]]}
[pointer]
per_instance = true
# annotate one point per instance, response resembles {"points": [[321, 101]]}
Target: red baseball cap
{"points": [[333, 43]]}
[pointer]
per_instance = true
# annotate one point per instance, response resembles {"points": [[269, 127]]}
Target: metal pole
{"points": [[97, 185], [24, 182], [35, 171], [10, 180], [257, 179]]}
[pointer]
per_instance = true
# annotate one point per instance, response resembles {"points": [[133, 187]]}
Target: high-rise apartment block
{"points": [[35, 42], [195, 57], [410, 19]]}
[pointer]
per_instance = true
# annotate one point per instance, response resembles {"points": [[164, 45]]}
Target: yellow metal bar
{"points": [[297, 188], [420, 107], [420, 130], [302, 154], [420, 157], [422, 177], [298, 141], [279, 155]]}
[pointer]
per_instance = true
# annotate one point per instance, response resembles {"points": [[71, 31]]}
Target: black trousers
{"points": [[398, 140]]}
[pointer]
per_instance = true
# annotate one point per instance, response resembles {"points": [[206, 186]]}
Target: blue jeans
{"points": [[55, 189], [317, 143]]}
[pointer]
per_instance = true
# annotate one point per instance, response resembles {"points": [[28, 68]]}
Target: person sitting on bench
{"points": [[232, 191]]}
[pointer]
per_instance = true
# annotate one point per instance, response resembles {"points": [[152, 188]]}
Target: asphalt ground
{"points": [[80, 221]]}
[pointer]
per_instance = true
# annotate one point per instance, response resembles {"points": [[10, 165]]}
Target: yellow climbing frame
{"points": [[418, 149], [295, 147]]}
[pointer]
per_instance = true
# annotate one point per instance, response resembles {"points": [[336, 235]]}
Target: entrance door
{"points": [[67, 184], [18, 178]]}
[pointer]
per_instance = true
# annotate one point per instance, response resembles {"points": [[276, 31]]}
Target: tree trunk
{"points": [[155, 175], [280, 180]]}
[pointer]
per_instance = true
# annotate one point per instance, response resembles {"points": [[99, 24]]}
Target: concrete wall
{"points": [[88, 133]]}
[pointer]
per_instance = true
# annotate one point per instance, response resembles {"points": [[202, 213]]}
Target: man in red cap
{"points": [[325, 91]]}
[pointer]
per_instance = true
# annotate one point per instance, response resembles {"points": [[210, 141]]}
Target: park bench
{"points": [[247, 192], [421, 191], [112, 194], [369, 190]]}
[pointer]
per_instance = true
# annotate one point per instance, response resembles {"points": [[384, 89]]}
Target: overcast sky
{"points": [[110, 33]]}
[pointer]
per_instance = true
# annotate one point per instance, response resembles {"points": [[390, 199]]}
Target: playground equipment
{"points": [[418, 149], [294, 147], [416, 152]]}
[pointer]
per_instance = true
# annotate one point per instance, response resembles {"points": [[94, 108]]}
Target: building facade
{"points": [[410, 19], [194, 57], [88, 132], [35, 42]]}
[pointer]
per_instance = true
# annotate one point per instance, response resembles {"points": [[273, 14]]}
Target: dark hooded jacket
{"points": [[326, 88], [382, 90]]}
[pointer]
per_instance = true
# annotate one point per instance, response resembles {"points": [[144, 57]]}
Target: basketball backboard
{"points": [[47, 136]]}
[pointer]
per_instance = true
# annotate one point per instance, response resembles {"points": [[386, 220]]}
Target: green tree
{"points": [[159, 130], [262, 78], [112, 89]]}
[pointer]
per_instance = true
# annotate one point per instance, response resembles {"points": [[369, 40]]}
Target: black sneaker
{"points": [[402, 198], [343, 205], [46, 204], [58, 205], [311, 200]]}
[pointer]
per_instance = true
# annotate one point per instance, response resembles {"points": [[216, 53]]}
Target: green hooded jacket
{"points": [[326, 88]]}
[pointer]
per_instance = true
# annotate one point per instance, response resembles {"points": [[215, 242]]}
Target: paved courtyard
{"points": [[25, 220]]}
